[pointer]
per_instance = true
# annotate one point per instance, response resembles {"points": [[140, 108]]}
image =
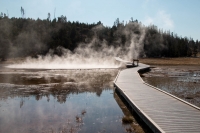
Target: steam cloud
{"points": [[88, 55]]}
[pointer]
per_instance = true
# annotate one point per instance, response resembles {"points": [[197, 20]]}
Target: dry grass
{"points": [[171, 61], [83, 112], [127, 119]]}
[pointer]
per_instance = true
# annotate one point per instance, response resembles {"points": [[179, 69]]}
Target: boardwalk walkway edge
{"points": [[173, 96], [152, 125], [121, 83]]}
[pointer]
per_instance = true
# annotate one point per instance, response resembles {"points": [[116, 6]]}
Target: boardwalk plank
{"points": [[160, 110]]}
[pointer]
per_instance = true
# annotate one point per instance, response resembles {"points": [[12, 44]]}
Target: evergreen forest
{"points": [[22, 37]]}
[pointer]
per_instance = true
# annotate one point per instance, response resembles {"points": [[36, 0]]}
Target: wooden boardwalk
{"points": [[161, 111]]}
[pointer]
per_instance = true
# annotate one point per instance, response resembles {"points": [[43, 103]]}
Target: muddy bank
{"points": [[181, 81]]}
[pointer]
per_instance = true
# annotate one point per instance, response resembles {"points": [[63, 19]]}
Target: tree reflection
{"points": [[21, 102], [59, 86]]}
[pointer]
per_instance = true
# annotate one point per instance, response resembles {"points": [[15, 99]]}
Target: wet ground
{"points": [[62, 101], [181, 81]]}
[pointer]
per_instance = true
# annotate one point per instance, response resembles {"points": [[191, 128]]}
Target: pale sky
{"points": [[178, 16]]}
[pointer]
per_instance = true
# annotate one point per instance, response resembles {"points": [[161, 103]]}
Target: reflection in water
{"points": [[44, 116], [135, 127], [59, 101], [59, 83]]}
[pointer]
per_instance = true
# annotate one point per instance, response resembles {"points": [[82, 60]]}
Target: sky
{"points": [[179, 16]]}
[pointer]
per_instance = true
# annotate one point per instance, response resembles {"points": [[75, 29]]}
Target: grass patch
{"points": [[171, 61], [127, 119]]}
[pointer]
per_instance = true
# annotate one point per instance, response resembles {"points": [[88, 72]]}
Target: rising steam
{"points": [[82, 59], [89, 55]]}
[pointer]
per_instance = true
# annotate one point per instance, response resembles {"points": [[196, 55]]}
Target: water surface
{"points": [[61, 101]]}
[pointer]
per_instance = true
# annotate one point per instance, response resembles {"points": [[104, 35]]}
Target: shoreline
{"points": [[149, 61]]}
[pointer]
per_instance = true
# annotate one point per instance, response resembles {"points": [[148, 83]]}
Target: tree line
{"points": [[21, 37]]}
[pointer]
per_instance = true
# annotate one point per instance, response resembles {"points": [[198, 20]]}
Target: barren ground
{"points": [[178, 76], [171, 61]]}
